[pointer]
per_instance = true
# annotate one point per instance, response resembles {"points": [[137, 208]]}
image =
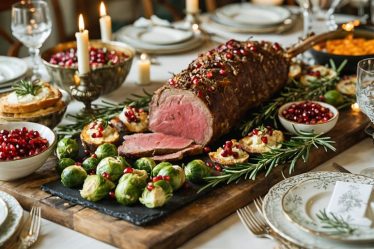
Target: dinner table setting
{"points": [[250, 126]]}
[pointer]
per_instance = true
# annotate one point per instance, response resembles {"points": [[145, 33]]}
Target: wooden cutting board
{"points": [[183, 224]]}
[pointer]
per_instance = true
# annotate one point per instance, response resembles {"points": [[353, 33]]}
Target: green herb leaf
{"points": [[24, 87], [336, 225]]}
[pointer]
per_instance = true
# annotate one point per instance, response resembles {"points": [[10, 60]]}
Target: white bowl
{"points": [[294, 127], [14, 169]]}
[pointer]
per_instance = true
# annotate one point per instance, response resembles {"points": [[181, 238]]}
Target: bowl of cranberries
{"points": [[24, 147], [110, 64], [308, 116]]}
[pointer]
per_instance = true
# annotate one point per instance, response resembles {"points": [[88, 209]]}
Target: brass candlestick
{"points": [[193, 18], [85, 92]]}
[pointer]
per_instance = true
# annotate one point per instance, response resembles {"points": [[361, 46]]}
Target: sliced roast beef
{"points": [[149, 144], [207, 99], [192, 150]]}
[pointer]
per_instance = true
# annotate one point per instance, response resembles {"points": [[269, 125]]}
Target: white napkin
{"points": [[350, 201], [153, 21]]}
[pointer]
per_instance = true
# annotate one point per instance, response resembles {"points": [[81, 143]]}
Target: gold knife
{"points": [[340, 168]]}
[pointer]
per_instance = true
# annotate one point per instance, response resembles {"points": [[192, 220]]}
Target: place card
{"points": [[350, 201]]}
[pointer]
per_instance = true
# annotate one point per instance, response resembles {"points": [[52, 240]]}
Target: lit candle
{"points": [[192, 6], [82, 47], [355, 107], [105, 24], [144, 70]]}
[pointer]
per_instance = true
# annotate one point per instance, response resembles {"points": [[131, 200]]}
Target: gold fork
{"points": [[256, 224], [30, 233]]}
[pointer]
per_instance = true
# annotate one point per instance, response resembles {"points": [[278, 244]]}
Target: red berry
{"points": [[217, 167], [128, 170], [207, 149], [106, 175], [264, 140], [112, 194], [222, 72], [209, 74], [255, 131], [150, 186], [166, 178], [157, 178]]}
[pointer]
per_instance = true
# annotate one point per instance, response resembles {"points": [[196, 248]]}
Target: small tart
{"points": [[347, 85], [314, 73], [295, 70], [45, 97], [135, 120], [261, 141], [217, 156], [97, 133]]}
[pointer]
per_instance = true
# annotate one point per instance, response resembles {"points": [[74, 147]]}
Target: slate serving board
{"points": [[137, 214]]}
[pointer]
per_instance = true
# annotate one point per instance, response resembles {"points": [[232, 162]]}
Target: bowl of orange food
{"points": [[345, 46]]}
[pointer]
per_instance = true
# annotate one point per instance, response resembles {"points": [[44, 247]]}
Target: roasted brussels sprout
{"points": [[106, 150], [128, 193], [176, 174], [145, 163], [63, 163], [112, 166], [73, 176], [90, 164], [137, 177], [156, 194], [196, 170], [96, 187], [159, 166], [67, 148]]}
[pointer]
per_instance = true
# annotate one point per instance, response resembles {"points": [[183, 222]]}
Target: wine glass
{"points": [[365, 95], [31, 24]]}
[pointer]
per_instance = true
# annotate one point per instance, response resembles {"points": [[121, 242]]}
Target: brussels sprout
{"points": [[159, 194], [136, 177], [159, 166], [106, 150], [145, 163], [112, 166], [176, 174], [73, 176], [96, 187], [63, 163], [128, 193], [67, 148], [196, 170], [90, 164]]}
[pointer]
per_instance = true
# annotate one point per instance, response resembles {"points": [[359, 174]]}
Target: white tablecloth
{"points": [[229, 233]]}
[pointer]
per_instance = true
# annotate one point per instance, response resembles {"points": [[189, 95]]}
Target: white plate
{"points": [[302, 203], [190, 44], [11, 68], [14, 218], [255, 15], [157, 35], [283, 226], [3, 212]]}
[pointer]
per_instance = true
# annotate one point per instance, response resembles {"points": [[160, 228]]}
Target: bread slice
{"points": [[57, 107], [91, 143], [53, 96]]}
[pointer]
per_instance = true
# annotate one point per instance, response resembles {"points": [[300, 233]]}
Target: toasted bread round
{"points": [[217, 157], [110, 135], [295, 70], [51, 98], [135, 127], [254, 144], [310, 76], [347, 85]]}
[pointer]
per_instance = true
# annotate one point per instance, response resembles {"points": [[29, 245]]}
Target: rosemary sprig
{"points": [[337, 225], [24, 87], [298, 147], [294, 91], [105, 110]]}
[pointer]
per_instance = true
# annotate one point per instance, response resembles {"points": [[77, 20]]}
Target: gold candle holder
{"points": [[85, 92], [193, 19]]}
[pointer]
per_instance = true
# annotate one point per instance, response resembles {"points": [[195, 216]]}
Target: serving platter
{"points": [[185, 222]]}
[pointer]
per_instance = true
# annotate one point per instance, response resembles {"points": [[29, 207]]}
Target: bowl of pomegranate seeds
{"points": [[308, 116], [110, 64], [24, 147]]}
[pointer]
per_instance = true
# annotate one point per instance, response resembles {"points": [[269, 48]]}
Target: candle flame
{"points": [[350, 26], [80, 23], [143, 56], [355, 107], [102, 9]]}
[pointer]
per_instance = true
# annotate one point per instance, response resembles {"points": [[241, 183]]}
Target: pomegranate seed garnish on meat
{"points": [[222, 72], [276, 46]]}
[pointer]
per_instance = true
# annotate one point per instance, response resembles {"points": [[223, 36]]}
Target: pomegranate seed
{"points": [[150, 186], [106, 175], [255, 131], [217, 167], [112, 194], [264, 140], [209, 74], [229, 56], [128, 170], [224, 153], [157, 178], [222, 72], [94, 155], [195, 81], [209, 164], [166, 178], [228, 144], [276, 46], [207, 149]]}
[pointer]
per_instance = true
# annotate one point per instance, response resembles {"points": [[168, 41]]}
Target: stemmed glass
{"points": [[365, 95], [31, 25]]}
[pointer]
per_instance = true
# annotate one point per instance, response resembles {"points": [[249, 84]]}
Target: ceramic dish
{"points": [[278, 221], [14, 169], [254, 15], [14, 218], [294, 127], [11, 69], [303, 202], [3, 212], [158, 35]]}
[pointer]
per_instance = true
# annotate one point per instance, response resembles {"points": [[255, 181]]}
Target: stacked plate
{"points": [[292, 208], [10, 216], [158, 39], [11, 70], [249, 18]]}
